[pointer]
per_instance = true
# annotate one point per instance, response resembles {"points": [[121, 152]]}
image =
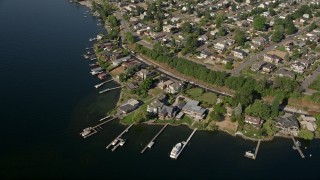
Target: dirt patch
{"points": [[115, 72], [306, 105], [227, 125]]}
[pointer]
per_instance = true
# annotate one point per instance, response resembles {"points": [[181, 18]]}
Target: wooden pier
{"points": [[248, 154], [109, 89], [99, 85], [93, 130], [150, 144], [184, 143], [296, 146], [119, 136]]}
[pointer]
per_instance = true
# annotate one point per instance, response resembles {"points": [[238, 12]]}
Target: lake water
{"points": [[47, 97]]}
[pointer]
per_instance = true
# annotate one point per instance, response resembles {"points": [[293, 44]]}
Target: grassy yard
{"points": [[208, 99], [316, 84], [250, 131]]}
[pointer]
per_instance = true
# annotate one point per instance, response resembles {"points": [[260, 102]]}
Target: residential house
{"points": [[254, 121], [205, 54], [288, 124], [129, 106], [193, 109], [238, 53], [298, 67], [260, 41], [220, 46], [155, 106], [257, 66], [166, 112], [281, 54], [143, 74], [284, 73], [173, 88], [268, 68], [271, 58]]}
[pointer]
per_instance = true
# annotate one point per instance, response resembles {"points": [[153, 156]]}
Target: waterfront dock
{"points": [[184, 143], [296, 146], [89, 131], [109, 89], [250, 155], [150, 144], [118, 138], [101, 84]]}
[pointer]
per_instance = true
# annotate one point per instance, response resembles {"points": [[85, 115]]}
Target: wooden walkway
{"points": [[297, 146], [97, 127], [186, 142], [109, 89], [152, 140], [119, 136], [250, 155]]}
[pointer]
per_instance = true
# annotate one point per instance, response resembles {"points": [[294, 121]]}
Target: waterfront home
{"points": [[166, 112], [254, 121], [119, 61], [132, 86], [129, 106], [288, 124], [193, 109], [155, 106], [144, 73]]}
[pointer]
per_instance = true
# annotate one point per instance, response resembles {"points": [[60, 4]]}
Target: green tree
{"points": [[139, 116], [240, 37], [129, 38], [259, 23], [113, 21], [312, 26], [222, 31], [291, 28], [186, 28], [277, 36], [269, 128], [306, 134], [219, 19], [259, 109]]}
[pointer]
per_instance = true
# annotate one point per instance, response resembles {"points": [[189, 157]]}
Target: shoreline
{"points": [[236, 134]]}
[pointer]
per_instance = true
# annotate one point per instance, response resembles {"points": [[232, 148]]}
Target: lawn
{"points": [[207, 99], [250, 131], [316, 84]]}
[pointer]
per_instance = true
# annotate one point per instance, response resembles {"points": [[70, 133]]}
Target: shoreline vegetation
{"points": [[160, 56]]}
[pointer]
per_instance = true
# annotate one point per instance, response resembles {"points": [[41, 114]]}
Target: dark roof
{"points": [[127, 108], [288, 122]]}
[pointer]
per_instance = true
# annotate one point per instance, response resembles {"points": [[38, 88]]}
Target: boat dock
{"points": [[249, 154], [99, 85], [296, 146], [109, 89], [87, 132], [118, 138], [150, 144], [186, 142]]}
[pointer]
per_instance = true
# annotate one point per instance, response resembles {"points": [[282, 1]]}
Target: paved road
{"points": [[253, 58], [308, 80]]}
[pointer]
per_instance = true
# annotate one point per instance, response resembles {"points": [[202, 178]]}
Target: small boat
{"points": [[85, 16], [175, 151], [96, 72], [114, 142], [122, 141]]}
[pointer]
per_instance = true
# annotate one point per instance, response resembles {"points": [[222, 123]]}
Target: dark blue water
{"points": [[47, 98]]}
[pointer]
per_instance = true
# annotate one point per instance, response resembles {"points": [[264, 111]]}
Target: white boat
{"points": [[150, 144], [99, 85], [96, 72], [122, 141], [175, 151], [86, 131], [114, 142]]}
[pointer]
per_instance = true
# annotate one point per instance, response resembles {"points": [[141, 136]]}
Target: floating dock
{"points": [[249, 154], [118, 138], [109, 89], [101, 84], [87, 132], [150, 144], [296, 146], [186, 142]]}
